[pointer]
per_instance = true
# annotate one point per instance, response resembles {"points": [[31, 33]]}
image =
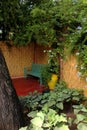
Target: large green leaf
{"points": [[37, 121], [32, 114], [80, 117], [63, 127], [82, 126], [62, 119], [36, 128], [51, 103], [41, 115], [60, 105]]}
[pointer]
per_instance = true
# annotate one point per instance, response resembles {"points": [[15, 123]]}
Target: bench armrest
{"points": [[26, 70]]}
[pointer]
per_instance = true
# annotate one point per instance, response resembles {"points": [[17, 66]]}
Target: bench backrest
{"points": [[37, 67]]}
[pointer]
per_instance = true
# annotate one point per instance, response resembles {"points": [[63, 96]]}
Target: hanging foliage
{"points": [[57, 23]]}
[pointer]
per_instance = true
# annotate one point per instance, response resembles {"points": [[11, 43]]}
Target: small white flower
{"points": [[50, 51], [77, 53], [79, 27], [51, 56], [44, 51], [48, 61], [86, 79], [78, 74], [0, 31], [76, 66], [82, 67]]}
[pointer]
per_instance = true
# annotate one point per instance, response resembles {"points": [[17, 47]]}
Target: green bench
{"points": [[36, 70]]}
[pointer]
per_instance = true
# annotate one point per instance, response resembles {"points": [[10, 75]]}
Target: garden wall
{"points": [[69, 74], [19, 57]]}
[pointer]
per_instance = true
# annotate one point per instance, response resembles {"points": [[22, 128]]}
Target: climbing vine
{"points": [[60, 24]]}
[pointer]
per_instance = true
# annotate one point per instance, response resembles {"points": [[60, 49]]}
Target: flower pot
{"points": [[53, 81]]}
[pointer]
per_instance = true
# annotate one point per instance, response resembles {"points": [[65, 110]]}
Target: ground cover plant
{"points": [[62, 108]]}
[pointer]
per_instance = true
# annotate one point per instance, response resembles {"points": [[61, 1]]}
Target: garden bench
{"points": [[36, 70]]}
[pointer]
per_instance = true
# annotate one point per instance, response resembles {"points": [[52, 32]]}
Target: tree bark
{"points": [[11, 116]]}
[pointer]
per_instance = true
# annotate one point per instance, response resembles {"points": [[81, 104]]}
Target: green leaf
{"points": [[63, 127], [62, 119], [45, 108], [60, 105], [76, 111], [75, 93], [51, 103], [56, 128], [37, 121], [76, 98], [23, 128], [36, 128], [46, 125], [41, 115], [32, 114], [40, 128], [84, 109], [80, 117], [82, 126]]}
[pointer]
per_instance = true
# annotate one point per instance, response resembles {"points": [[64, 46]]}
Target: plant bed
{"points": [[70, 114], [56, 110]]}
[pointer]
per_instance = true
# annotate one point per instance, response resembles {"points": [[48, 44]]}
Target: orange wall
{"points": [[19, 57], [69, 74]]}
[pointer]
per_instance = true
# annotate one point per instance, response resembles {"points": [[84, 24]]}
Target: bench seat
{"points": [[36, 70]]}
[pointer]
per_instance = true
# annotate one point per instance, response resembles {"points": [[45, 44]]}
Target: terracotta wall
{"points": [[69, 74]]}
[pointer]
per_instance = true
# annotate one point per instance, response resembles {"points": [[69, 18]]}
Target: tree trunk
{"points": [[11, 117]]}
